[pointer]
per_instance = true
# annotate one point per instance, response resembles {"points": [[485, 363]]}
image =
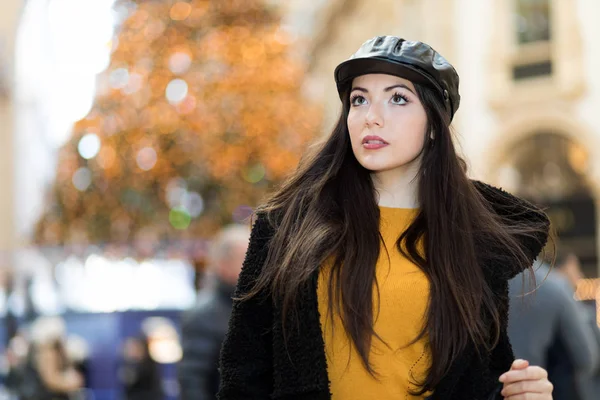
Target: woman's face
{"points": [[387, 122]]}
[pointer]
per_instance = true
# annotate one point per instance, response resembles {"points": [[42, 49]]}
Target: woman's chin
{"points": [[377, 167]]}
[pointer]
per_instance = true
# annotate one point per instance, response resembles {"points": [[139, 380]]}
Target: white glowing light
{"points": [[177, 90], [89, 146], [194, 204], [119, 78]]}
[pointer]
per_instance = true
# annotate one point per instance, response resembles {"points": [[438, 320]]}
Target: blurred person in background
{"points": [[379, 269], [140, 374], [79, 354], [546, 315], [204, 326], [16, 362], [561, 369], [49, 374]]}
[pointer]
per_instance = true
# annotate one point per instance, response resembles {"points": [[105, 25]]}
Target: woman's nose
{"points": [[374, 117]]}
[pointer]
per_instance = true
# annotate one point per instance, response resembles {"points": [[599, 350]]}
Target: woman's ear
{"points": [[432, 135]]}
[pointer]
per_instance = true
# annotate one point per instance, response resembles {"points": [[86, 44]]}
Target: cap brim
{"points": [[350, 69]]}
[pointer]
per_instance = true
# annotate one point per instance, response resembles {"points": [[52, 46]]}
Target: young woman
{"points": [[379, 270]]}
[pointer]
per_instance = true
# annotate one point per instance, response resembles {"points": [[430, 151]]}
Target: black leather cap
{"points": [[415, 61]]}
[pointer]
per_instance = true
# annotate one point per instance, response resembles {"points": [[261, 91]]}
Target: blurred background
{"points": [[132, 131]]}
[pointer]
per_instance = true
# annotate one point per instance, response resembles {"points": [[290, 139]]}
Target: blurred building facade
{"points": [[530, 93], [9, 19]]}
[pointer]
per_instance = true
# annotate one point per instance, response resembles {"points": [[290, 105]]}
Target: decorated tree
{"points": [[199, 113]]}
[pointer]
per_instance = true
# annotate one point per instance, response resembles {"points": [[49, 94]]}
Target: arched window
{"points": [[533, 24], [551, 170], [536, 53], [533, 21]]}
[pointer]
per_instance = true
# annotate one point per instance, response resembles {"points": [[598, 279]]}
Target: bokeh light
{"points": [[175, 197], [119, 78], [82, 179], [255, 174], [180, 11], [242, 213], [106, 157], [146, 158], [163, 340], [89, 146], [134, 83], [180, 62], [176, 91], [187, 106], [189, 115], [175, 191], [180, 218], [194, 204]]}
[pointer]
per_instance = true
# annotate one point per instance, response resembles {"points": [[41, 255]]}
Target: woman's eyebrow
{"points": [[387, 89]]}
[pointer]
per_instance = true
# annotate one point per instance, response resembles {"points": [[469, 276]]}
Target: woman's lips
{"points": [[374, 146], [374, 143]]}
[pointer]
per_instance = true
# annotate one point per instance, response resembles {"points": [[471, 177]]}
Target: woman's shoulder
{"points": [[528, 219], [262, 232], [257, 253], [511, 207], [263, 226]]}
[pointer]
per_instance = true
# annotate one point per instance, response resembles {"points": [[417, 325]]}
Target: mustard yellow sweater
{"points": [[398, 319]]}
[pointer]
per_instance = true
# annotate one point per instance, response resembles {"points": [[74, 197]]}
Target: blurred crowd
{"points": [[547, 326], [44, 362]]}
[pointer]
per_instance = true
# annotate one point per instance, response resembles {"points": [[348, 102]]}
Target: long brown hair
{"points": [[327, 211]]}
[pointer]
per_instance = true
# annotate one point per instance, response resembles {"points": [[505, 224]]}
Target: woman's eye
{"points": [[358, 100], [399, 99]]}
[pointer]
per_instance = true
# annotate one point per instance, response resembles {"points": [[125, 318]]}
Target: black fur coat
{"points": [[255, 363]]}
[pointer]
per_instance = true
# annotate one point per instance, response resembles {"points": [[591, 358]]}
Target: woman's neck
{"points": [[397, 188]]}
